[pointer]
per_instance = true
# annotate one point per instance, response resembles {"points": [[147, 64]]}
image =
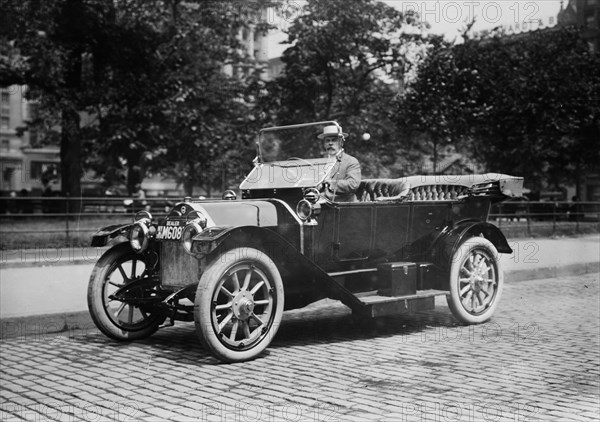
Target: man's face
{"points": [[332, 145]]}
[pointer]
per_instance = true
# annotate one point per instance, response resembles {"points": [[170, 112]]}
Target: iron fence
{"points": [[72, 218], [554, 213]]}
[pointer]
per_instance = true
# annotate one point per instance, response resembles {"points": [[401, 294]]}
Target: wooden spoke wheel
{"points": [[239, 304], [476, 281]]}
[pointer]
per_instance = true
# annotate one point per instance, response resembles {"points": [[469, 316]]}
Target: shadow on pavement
{"points": [[327, 323]]}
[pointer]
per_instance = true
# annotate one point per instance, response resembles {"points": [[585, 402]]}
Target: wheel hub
{"points": [[477, 283], [243, 305]]}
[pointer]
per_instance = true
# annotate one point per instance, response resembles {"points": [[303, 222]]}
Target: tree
{"points": [[126, 81], [420, 117], [70, 52], [206, 124], [524, 104], [347, 61]]}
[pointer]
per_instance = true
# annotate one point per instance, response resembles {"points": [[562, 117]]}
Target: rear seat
{"points": [[438, 193], [382, 190], [396, 189]]}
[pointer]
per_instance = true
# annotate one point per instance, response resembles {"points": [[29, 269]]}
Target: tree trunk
{"points": [[188, 187], [70, 141], [435, 155], [578, 184], [70, 157], [135, 175], [188, 184]]}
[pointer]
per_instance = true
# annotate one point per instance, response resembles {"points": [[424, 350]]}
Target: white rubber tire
{"points": [[476, 281], [97, 297], [211, 303]]}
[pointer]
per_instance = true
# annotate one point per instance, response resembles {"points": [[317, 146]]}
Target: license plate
{"points": [[170, 231]]}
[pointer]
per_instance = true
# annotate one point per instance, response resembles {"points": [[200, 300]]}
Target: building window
{"points": [[33, 136], [4, 109], [7, 174], [44, 171], [5, 145]]}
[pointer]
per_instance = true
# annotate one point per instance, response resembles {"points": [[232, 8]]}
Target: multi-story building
{"points": [[23, 167], [583, 13], [264, 47]]}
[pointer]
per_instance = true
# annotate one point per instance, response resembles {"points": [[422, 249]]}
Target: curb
{"points": [[42, 327], [553, 272], [38, 327], [41, 257]]}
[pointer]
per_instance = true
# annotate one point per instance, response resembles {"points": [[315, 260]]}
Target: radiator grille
{"points": [[177, 268]]}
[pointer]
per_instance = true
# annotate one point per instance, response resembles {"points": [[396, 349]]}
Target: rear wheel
{"points": [[476, 281], [119, 292], [239, 304]]}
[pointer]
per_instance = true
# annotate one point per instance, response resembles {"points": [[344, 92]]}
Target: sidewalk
{"points": [[47, 290]]}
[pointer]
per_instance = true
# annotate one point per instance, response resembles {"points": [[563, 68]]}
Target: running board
{"points": [[377, 305]]}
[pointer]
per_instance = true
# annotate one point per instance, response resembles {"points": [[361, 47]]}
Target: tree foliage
{"points": [[347, 61], [525, 104], [132, 84]]}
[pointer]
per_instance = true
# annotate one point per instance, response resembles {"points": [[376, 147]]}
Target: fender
{"points": [[102, 236], [206, 243], [449, 241], [288, 258]]}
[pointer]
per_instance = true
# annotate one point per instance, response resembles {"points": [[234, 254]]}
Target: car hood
{"points": [[260, 213]]}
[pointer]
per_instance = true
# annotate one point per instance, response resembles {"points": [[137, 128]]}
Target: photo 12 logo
{"points": [[518, 15], [55, 410]]}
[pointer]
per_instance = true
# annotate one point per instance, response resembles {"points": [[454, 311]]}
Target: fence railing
{"points": [[65, 221], [554, 213], [77, 218], [55, 206], [35, 207]]}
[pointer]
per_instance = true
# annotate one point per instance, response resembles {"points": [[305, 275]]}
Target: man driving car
{"points": [[343, 181]]}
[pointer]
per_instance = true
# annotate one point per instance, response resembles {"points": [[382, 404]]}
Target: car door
{"points": [[391, 229], [355, 233]]}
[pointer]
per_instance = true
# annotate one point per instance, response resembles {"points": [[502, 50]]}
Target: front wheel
{"points": [[120, 287], [476, 281], [239, 304]]}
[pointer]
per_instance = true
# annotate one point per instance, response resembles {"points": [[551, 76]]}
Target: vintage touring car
{"points": [[234, 265]]}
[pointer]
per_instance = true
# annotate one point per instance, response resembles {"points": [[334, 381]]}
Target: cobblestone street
{"points": [[539, 359]]}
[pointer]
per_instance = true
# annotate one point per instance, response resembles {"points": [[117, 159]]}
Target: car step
{"points": [[376, 305]]}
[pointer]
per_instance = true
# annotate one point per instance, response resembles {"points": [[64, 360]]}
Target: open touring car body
{"points": [[234, 265]]}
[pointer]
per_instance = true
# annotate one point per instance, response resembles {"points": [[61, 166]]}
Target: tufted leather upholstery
{"points": [[395, 189], [382, 189], [437, 192]]}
